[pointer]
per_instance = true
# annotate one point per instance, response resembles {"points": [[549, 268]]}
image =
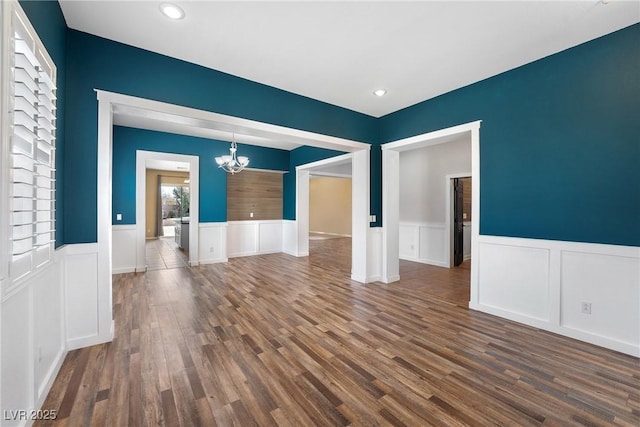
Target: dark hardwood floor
{"points": [[278, 340], [450, 284]]}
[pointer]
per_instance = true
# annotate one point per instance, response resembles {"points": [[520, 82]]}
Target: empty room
{"points": [[351, 213]]}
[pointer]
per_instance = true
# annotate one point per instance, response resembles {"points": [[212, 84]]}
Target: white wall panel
{"points": [[33, 342], [270, 237], [289, 237], [242, 238], [610, 285], [17, 351], [543, 283], [423, 242], [245, 238], [409, 237], [123, 248], [374, 254], [213, 242], [81, 295], [515, 279], [466, 247], [432, 245], [48, 327]]}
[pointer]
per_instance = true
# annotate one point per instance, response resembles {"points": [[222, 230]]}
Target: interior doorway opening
{"points": [[460, 219], [330, 208], [391, 186], [167, 220], [167, 206], [356, 165]]}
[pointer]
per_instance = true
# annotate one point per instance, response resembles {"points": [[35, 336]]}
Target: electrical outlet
{"points": [[585, 308], [250, 214], [118, 217]]}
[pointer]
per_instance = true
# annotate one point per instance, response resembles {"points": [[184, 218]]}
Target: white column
{"points": [[390, 215], [105, 128], [360, 214], [302, 212]]}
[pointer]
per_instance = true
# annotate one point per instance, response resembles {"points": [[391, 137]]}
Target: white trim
{"points": [[267, 170], [390, 190], [142, 158], [426, 236], [104, 244], [331, 161], [431, 138], [449, 245], [551, 299], [212, 235], [360, 183], [329, 234], [234, 124], [107, 101], [330, 175]]}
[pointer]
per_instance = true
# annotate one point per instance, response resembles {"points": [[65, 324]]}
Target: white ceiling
{"points": [[340, 51]]}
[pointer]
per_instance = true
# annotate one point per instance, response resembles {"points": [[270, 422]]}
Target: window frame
{"points": [[12, 16]]}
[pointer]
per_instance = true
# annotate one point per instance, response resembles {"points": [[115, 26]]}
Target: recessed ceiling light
{"points": [[380, 92], [172, 11]]}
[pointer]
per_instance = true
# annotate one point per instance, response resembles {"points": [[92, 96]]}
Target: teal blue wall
{"points": [[559, 142], [213, 180], [93, 62], [560, 157], [48, 21]]}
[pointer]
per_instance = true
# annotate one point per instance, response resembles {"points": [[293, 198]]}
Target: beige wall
{"points": [[168, 177], [330, 205]]}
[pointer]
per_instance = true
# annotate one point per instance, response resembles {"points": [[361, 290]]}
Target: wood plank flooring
{"points": [[278, 340], [163, 253]]}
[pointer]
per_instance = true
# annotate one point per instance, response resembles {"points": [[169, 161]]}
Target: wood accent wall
{"points": [[254, 191], [466, 197]]}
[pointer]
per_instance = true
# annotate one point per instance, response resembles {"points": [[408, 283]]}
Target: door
{"points": [[458, 224]]}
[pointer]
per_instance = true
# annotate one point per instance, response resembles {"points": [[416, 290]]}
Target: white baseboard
{"points": [[88, 341], [51, 375], [423, 242], [543, 283], [123, 270]]}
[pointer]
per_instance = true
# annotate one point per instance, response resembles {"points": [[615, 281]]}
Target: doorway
{"points": [[459, 218], [181, 174], [358, 163], [330, 206], [167, 206], [390, 197]]}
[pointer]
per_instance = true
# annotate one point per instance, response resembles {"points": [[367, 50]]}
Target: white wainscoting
{"points": [[212, 242], [290, 237], [423, 242], [50, 312], [123, 244], [466, 247], [544, 283], [374, 255], [83, 301], [246, 238], [33, 342]]}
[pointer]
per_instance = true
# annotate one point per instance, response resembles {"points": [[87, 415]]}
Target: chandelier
{"points": [[232, 163]]}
